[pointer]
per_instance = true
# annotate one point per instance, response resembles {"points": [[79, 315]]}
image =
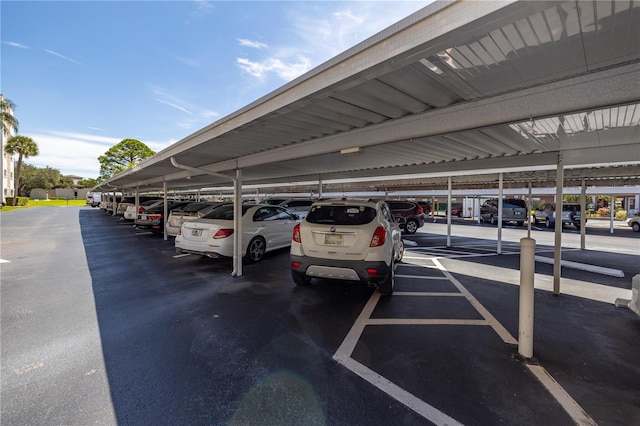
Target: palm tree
{"points": [[8, 123], [7, 120], [25, 147]]}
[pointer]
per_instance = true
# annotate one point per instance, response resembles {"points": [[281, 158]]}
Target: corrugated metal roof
{"points": [[457, 84]]}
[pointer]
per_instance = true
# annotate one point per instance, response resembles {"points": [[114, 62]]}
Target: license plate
{"points": [[333, 239], [196, 232]]}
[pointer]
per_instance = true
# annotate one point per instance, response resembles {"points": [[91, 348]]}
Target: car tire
{"points": [[635, 226], [256, 250], [300, 278], [411, 226], [492, 220], [385, 288], [520, 222], [547, 222], [400, 255]]}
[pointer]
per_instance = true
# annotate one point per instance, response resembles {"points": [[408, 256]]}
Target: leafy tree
{"points": [[89, 183], [25, 147], [7, 120], [122, 156], [46, 178]]}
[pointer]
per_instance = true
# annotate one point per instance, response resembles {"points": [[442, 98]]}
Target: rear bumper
{"points": [[341, 269]]}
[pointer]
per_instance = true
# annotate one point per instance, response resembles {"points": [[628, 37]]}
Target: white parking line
{"points": [[343, 354], [181, 255], [4, 261]]}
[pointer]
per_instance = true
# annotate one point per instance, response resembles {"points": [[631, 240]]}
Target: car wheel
{"points": [[400, 253], [492, 220], [411, 226], [635, 226], [385, 288], [255, 250], [547, 222], [520, 222], [300, 279]]}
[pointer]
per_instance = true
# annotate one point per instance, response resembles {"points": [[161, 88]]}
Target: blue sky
{"points": [[86, 74]]}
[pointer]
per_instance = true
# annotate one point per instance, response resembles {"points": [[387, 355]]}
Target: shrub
{"points": [[22, 201], [621, 214], [603, 211]]}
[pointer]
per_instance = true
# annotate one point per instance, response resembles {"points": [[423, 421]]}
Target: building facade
{"points": [[7, 188]]}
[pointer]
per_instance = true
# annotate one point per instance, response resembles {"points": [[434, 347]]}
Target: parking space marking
{"points": [[427, 411], [144, 233], [4, 261], [344, 352], [579, 416], [177, 256]]}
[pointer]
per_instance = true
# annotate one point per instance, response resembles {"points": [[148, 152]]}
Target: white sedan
{"points": [[264, 228]]}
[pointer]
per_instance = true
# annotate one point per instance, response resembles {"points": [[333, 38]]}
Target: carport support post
{"points": [[165, 211], [500, 192], [529, 212], [612, 209], [583, 214], [237, 223], [557, 249], [449, 212], [525, 322]]}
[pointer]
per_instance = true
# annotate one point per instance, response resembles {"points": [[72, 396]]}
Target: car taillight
{"points": [[296, 233], [295, 265], [140, 209], [223, 233], [379, 237], [420, 209], [155, 216]]}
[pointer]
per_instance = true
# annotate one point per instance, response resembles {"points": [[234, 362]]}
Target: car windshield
{"points": [[341, 214], [514, 203], [225, 212], [571, 207], [194, 207]]}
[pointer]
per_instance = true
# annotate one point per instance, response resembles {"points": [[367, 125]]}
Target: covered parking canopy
{"points": [[456, 87]]}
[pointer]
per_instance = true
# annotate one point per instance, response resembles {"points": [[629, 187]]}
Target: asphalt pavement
{"points": [[102, 323]]}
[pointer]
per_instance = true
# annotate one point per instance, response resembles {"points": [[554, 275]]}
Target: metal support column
{"points": [[612, 212], [500, 192], [529, 212], [557, 252], [449, 188], [583, 214], [237, 224], [165, 210]]}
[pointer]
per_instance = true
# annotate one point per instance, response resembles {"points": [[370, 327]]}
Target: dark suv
{"points": [[513, 210], [412, 215]]}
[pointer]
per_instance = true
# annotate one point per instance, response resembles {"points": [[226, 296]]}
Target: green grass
{"points": [[46, 203]]}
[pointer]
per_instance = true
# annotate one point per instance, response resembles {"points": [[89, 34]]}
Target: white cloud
{"points": [[172, 105], [251, 43], [76, 153], [322, 32], [285, 70], [14, 44], [59, 55]]}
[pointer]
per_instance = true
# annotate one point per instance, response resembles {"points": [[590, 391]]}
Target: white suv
{"points": [[347, 239]]}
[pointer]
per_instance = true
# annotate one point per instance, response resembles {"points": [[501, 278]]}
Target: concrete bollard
{"points": [[525, 322], [634, 305]]}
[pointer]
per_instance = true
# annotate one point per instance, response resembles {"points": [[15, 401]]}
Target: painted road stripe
{"points": [[579, 416], [427, 293], [411, 321], [181, 255], [4, 261], [495, 324], [420, 278], [583, 266], [144, 233], [396, 392]]}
